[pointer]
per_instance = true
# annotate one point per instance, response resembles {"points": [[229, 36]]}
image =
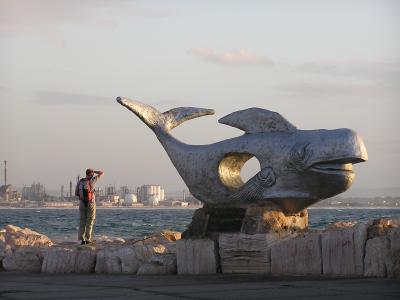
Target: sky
{"points": [[320, 64]]}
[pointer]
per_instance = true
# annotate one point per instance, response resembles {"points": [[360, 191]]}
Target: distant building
{"points": [[130, 199], [110, 191], [35, 192], [179, 204], [151, 194], [9, 193], [123, 191]]}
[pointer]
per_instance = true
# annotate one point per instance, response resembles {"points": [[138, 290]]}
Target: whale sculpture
{"points": [[298, 167]]}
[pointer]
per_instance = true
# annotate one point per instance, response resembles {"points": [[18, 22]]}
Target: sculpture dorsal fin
{"points": [[256, 120]]}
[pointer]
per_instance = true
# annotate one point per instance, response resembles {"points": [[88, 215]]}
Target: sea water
{"points": [[62, 224]]}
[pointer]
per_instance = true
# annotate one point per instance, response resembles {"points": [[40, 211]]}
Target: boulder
{"points": [[126, 259], [382, 254], [272, 219], [376, 257], [162, 242], [380, 227], [24, 259], [196, 256], [4, 248], [80, 259], [104, 239], [298, 256], [160, 264], [116, 260], [246, 253], [342, 224], [394, 253], [17, 237], [343, 249]]}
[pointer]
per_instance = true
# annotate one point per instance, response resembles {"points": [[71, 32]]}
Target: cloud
{"points": [[385, 72], [59, 98], [4, 89], [338, 89], [46, 19], [231, 58]]}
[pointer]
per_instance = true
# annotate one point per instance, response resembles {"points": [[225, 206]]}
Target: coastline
{"points": [[186, 208], [104, 208]]}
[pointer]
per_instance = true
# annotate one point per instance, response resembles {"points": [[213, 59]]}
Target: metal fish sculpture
{"points": [[298, 167]]}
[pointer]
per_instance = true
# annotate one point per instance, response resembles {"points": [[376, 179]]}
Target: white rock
{"points": [[246, 253], [3, 246], [162, 242], [79, 259], [26, 259], [2, 236], [196, 256], [343, 250], [298, 256], [18, 237], [104, 239], [376, 257], [160, 264], [393, 267], [394, 236], [126, 259], [116, 260]]}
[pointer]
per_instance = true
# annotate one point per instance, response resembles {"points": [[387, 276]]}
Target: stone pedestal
{"points": [[210, 221], [248, 253], [197, 256], [343, 249], [298, 256]]}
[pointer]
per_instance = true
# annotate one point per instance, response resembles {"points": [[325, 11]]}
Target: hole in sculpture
{"points": [[250, 168], [237, 168]]}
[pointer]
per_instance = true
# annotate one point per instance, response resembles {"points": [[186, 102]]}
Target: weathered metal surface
{"points": [[298, 167]]}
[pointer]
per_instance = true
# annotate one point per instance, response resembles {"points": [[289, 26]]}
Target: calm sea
{"points": [[62, 224]]}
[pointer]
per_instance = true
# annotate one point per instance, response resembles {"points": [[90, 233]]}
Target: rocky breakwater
{"points": [[344, 249], [28, 251]]}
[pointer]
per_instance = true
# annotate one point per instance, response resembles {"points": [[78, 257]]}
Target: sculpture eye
{"points": [[299, 156]]}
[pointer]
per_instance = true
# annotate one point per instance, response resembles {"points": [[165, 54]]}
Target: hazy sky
{"points": [[321, 64]]}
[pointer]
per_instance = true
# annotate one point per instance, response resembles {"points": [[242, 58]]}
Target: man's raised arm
{"points": [[99, 173]]}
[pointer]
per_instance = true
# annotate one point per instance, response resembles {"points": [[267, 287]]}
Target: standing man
{"points": [[85, 190]]}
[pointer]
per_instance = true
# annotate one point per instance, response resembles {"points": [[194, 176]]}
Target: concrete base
{"points": [[210, 221]]}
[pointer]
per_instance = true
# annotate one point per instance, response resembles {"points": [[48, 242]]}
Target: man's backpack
{"points": [[85, 186]]}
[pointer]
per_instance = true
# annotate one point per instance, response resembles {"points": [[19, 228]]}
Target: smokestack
{"points": [[5, 172], [62, 191], [70, 188]]}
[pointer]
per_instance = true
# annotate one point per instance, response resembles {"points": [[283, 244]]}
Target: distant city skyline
{"points": [[62, 64]]}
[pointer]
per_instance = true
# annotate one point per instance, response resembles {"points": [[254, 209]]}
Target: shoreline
{"points": [[106, 208], [184, 208]]}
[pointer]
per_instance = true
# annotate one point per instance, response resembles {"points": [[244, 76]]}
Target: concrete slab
{"points": [[197, 287]]}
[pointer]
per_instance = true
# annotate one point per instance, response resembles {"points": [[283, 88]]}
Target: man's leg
{"points": [[82, 220], [91, 216]]}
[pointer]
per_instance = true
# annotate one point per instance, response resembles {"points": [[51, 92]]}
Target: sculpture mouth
{"points": [[343, 166]]}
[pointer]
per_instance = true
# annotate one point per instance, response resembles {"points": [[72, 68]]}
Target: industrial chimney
{"points": [[5, 173]]}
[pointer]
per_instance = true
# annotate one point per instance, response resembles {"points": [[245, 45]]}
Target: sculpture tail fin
{"points": [[165, 121]]}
